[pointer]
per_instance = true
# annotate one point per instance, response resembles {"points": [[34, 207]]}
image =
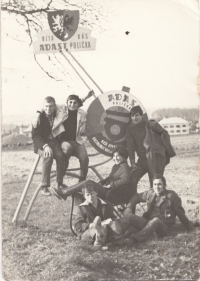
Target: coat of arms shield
{"points": [[63, 23]]}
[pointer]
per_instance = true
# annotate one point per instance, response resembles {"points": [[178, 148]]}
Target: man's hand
{"points": [[48, 152], [133, 167], [127, 211], [36, 120], [107, 186], [82, 130], [106, 221], [91, 93]]}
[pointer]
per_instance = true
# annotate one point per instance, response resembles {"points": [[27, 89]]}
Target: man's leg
{"points": [[60, 163], [81, 153], [142, 169], [67, 149], [132, 220], [120, 226], [46, 171], [96, 232], [154, 225], [88, 235], [160, 164]]}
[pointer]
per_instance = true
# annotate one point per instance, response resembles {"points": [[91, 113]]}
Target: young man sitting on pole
{"points": [[48, 146], [69, 125]]}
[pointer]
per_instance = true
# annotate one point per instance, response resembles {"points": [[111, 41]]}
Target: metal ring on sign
{"points": [[107, 118]]}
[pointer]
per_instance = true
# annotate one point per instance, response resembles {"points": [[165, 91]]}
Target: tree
{"points": [[31, 17], [190, 114]]}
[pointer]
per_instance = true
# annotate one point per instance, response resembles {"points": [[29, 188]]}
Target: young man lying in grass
{"points": [[95, 221], [163, 206]]}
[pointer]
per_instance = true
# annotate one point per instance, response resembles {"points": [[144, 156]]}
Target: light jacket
{"points": [[62, 115]]}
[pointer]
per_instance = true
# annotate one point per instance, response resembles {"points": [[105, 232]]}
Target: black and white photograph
{"points": [[100, 140]]}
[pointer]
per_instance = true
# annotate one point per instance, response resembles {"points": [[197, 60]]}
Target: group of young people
{"points": [[56, 135]]}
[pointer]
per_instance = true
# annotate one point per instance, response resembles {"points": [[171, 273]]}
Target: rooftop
{"points": [[173, 120]]}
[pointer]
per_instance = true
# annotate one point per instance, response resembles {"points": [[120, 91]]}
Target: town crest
{"points": [[63, 23]]}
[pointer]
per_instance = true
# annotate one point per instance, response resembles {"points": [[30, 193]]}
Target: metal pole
{"points": [[85, 71], [26, 188], [75, 70], [31, 202]]}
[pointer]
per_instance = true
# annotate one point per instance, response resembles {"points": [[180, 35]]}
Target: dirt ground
{"points": [[45, 248]]}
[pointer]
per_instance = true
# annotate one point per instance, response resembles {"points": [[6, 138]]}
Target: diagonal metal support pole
{"points": [[32, 202], [85, 71], [75, 70], [82, 69], [37, 159]]}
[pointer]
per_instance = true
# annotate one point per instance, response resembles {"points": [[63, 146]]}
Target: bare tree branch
{"points": [[34, 20], [45, 70]]}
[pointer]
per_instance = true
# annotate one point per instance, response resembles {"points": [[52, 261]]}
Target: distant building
{"points": [[22, 130], [28, 131], [175, 125], [16, 131]]}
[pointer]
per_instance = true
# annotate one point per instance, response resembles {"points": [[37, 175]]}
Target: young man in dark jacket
{"points": [[163, 206], [48, 146], [136, 136]]}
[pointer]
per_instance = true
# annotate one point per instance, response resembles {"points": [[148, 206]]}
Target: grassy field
{"points": [[45, 249]]}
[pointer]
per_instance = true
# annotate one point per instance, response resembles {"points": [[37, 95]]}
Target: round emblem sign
{"points": [[107, 118]]}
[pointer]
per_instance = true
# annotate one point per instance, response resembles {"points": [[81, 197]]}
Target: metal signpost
{"points": [[108, 114]]}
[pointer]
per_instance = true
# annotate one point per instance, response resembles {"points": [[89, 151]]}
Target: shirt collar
{"points": [[50, 117], [85, 203], [141, 124]]}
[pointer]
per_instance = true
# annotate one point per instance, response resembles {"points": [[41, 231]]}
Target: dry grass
{"points": [[45, 249]]}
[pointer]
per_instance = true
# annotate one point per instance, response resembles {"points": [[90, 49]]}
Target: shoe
{"points": [[61, 186], [81, 178], [101, 232], [46, 192], [58, 193]]}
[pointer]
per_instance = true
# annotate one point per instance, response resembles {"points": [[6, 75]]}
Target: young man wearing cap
{"points": [[70, 130], [46, 144], [135, 136]]}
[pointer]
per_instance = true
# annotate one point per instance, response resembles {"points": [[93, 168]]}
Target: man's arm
{"points": [[180, 212], [39, 141], [80, 224], [130, 147], [124, 177], [37, 136], [156, 127], [136, 199]]}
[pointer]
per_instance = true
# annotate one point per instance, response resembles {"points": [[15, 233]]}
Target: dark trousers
{"points": [[142, 168], [73, 148], [144, 228], [116, 196], [48, 161]]}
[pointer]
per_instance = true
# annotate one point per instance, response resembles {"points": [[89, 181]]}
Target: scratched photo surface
{"points": [[130, 52]]}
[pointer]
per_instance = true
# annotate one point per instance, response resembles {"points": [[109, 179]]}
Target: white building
{"points": [[175, 125]]}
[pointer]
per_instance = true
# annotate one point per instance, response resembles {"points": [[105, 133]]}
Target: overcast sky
{"points": [[157, 59]]}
